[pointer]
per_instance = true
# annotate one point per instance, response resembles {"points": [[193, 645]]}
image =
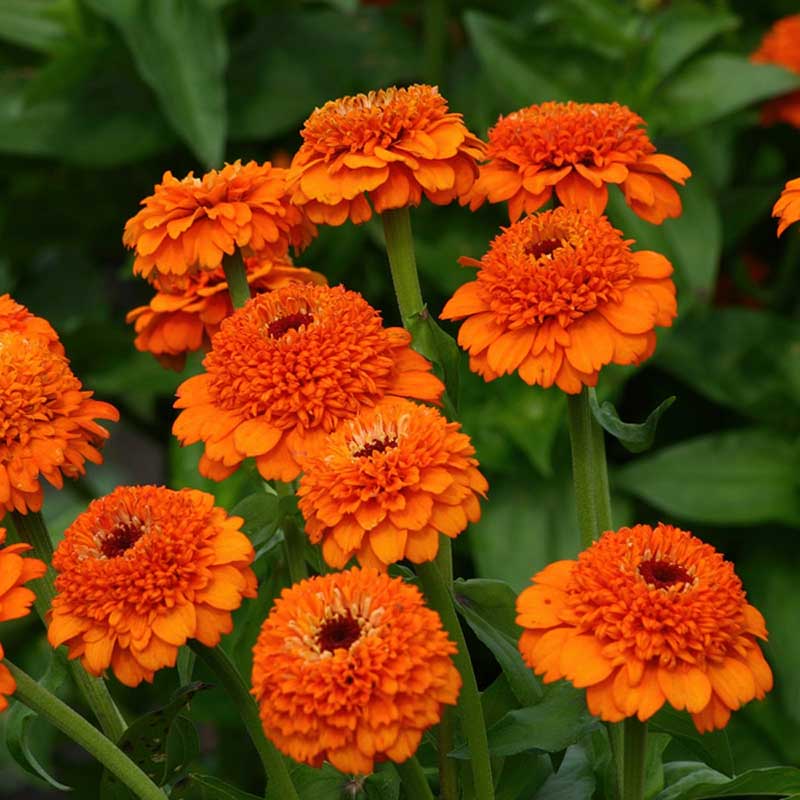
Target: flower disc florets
{"points": [[352, 668], [643, 617]]}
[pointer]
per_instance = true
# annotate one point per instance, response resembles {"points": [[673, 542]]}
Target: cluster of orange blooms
{"points": [[352, 667]]}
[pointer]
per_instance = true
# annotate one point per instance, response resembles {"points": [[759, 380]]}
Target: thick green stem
{"points": [[435, 31], [402, 263], [440, 599], [236, 276], [32, 529], [80, 731], [634, 752], [294, 539], [589, 469], [415, 784], [233, 683]]}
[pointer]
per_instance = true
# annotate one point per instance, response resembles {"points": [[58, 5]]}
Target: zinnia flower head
{"points": [[558, 296], [15, 598], [47, 420], [643, 617], [141, 571], [187, 310], [16, 318], [352, 668], [577, 149], [191, 224], [391, 146], [285, 370], [386, 484], [781, 46], [787, 208]]}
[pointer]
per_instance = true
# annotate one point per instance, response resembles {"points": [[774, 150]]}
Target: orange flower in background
{"points": [[352, 668], [577, 149], [787, 208], [187, 310], [385, 485], [141, 571], [15, 598], [558, 296], [47, 421], [285, 370], [391, 146], [643, 617], [191, 224], [781, 46], [16, 318]]}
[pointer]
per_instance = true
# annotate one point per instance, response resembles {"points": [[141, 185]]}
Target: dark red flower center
{"points": [[291, 322], [545, 247], [662, 574], [120, 540], [339, 632], [376, 446]]}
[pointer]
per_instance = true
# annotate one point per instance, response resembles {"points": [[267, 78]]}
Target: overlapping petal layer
{"points": [[781, 46], [16, 318], [787, 207]]}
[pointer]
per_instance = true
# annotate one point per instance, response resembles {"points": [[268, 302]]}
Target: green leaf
{"points": [[489, 608], [654, 764], [695, 780], [207, 787], [740, 477], [261, 516], [506, 57], [522, 774], [181, 53], [575, 779], [633, 437], [439, 347], [153, 746], [557, 721], [325, 783], [18, 721], [714, 86], [31, 23]]}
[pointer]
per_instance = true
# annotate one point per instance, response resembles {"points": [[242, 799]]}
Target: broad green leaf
{"points": [[575, 779], [31, 23], [488, 606], [635, 438], [653, 764], [506, 57], [325, 783], [522, 774], [18, 733], [755, 367], [261, 514], [207, 787], [694, 781], [739, 477], [714, 86], [181, 52], [439, 347]]}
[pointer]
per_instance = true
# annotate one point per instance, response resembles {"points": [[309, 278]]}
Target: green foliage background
{"points": [[99, 97]]}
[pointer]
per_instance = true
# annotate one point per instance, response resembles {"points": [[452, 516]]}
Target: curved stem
{"points": [[634, 754], [80, 731], [402, 263], [294, 539], [221, 665], [236, 276], [31, 528], [415, 784], [469, 702], [589, 469]]}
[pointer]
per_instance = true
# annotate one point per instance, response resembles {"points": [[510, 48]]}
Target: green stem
{"points": [[415, 784], [232, 682], [435, 31], [402, 263], [440, 599], [293, 537], [236, 276], [634, 754], [31, 529], [73, 725], [589, 469]]}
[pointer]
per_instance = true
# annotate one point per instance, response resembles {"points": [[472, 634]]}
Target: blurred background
{"points": [[99, 97]]}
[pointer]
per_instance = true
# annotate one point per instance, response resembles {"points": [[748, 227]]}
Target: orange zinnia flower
{"points": [[392, 146], [15, 317], [15, 599], [788, 206], [558, 296], [643, 617], [781, 46], [141, 571], [47, 421], [187, 310], [352, 668], [191, 224], [384, 486], [577, 149], [285, 370]]}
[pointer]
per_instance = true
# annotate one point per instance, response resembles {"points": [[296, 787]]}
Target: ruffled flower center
{"points": [[291, 322], [339, 633], [119, 539], [664, 574]]}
